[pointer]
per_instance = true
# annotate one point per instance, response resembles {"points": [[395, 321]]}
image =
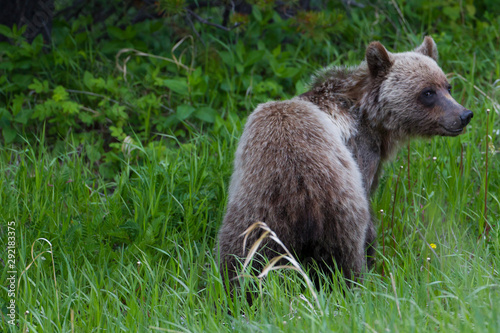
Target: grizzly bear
{"points": [[307, 166]]}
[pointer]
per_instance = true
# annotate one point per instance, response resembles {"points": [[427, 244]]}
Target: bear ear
{"points": [[428, 48], [379, 60]]}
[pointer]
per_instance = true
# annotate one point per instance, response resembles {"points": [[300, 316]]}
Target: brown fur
{"points": [[306, 166]]}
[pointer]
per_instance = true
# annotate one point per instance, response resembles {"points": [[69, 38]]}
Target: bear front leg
{"points": [[347, 234], [353, 262]]}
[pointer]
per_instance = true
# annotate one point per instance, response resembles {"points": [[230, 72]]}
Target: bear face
{"points": [[414, 95]]}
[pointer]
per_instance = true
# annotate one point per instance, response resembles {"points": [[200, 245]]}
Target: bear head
{"points": [[412, 92]]}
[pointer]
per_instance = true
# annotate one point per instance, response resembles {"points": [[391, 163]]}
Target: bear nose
{"points": [[466, 116]]}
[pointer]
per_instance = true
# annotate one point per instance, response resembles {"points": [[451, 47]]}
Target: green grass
{"points": [[134, 248]]}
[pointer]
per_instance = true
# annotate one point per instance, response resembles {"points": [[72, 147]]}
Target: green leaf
{"points": [[116, 132], [149, 100], [253, 57], [256, 13], [184, 111], [300, 87], [130, 32], [17, 104], [107, 170], [92, 153], [60, 94], [18, 32], [227, 57], [24, 116], [22, 80], [471, 10], [91, 82], [6, 31], [116, 33], [9, 134], [240, 50], [44, 110], [179, 86], [206, 113], [218, 124], [6, 65], [131, 228], [453, 12], [277, 50], [117, 111], [39, 87], [85, 118], [5, 117], [70, 107], [88, 79], [111, 84], [288, 72]]}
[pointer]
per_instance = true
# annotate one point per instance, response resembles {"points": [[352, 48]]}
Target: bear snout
{"points": [[465, 117], [454, 117]]}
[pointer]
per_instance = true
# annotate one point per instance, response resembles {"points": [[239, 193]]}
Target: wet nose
{"points": [[466, 116]]}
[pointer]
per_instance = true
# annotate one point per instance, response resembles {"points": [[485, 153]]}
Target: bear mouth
{"points": [[452, 132]]}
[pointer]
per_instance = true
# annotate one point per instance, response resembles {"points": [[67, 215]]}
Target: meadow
{"points": [[116, 153]]}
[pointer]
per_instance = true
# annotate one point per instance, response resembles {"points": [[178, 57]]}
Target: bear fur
{"points": [[307, 166]]}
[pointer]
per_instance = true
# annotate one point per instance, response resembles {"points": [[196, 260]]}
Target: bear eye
{"points": [[428, 93], [428, 97], [449, 89]]}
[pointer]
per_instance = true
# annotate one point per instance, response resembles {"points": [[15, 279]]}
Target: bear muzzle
{"points": [[454, 117]]}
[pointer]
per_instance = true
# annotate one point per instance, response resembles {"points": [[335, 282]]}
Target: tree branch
{"points": [[202, 20]]}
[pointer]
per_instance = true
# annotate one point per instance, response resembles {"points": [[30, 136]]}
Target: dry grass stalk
{"points": [[33, 261], [123, 68], [272, 265], [395, 294]]}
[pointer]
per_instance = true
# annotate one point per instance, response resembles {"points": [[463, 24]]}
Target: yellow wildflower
{"points": [[433, 245]]}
